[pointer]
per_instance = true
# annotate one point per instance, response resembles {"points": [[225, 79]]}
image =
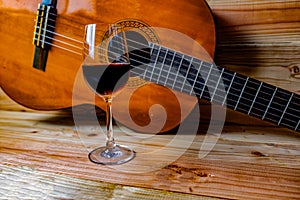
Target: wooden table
{"points": [[42, 155]]}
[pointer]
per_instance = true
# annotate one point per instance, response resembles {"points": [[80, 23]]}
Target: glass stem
{"points": [[110, 142]]}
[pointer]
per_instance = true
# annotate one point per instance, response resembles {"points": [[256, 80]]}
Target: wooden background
{"points": [[42, 156], [260, 39]]}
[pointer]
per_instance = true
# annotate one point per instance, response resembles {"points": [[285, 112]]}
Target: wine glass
{"points": [[106, 70]]}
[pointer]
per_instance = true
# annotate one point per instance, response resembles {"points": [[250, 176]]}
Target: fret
{"points": [[196, 88], [217, 87], [247, 96], [189, 67], [165, 68], [199, 86], [184, 70], [230, 84], [277, 106], [155, 64], [235, 90], [204, 92], [255, 98], [287, 105], [241, 93], [184, 67], [154, 56], [178, 76], [173, 54], [269, 104], [160, 65], [224, 79], [172, 74], [262, 100], [292, 114]]}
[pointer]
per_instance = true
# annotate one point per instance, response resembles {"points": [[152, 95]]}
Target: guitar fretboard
{"points": [[221, 86]]}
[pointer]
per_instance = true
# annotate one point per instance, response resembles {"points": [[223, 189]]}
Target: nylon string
{"points": [[69, 47]]}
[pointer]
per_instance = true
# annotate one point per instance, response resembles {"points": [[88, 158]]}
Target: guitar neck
{"points": [[221, 86]]}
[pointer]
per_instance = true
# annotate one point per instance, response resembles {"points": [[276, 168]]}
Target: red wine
{"points": [[106, 79]]}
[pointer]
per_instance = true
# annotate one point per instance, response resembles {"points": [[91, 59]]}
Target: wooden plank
{"points": [[260, 39], [24, 182], [246, 162]]}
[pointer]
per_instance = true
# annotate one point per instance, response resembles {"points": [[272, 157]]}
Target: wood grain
{"points": [[42, 154], [25, 182], [260, 39], [44, 150]]}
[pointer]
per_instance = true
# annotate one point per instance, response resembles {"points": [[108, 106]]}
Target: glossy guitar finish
{"points": [[52, 89]]}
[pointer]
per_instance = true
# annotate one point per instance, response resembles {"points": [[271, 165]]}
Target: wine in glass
{"points": [[106, 70]]}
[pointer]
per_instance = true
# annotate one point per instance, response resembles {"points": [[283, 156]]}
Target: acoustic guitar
{"points": [[41, 56]]}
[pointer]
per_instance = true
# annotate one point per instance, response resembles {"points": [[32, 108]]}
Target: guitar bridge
{"points": [[43, 32]]}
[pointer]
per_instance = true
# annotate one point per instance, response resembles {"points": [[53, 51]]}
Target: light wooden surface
{"points": [[43, 157]]}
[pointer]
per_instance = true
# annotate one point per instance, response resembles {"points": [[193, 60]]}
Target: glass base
{"points": [[111, 156]]}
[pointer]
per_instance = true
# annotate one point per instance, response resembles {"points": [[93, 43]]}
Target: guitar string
{"points": [[83, 43], [257, 82], [63, 42], [63, 48], [54, 21], [199, 88], [215, 83], [257, 109], [55, 15], [253, 113], [146, 77], [275, 115], [77, 41], [60, 35], [100, 33]]}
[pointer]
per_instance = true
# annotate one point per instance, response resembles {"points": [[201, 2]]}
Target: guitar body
{"points": [[53, 88]]}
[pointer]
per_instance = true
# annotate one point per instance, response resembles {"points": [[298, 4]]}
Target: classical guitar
{"points": [[41, 47]]}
